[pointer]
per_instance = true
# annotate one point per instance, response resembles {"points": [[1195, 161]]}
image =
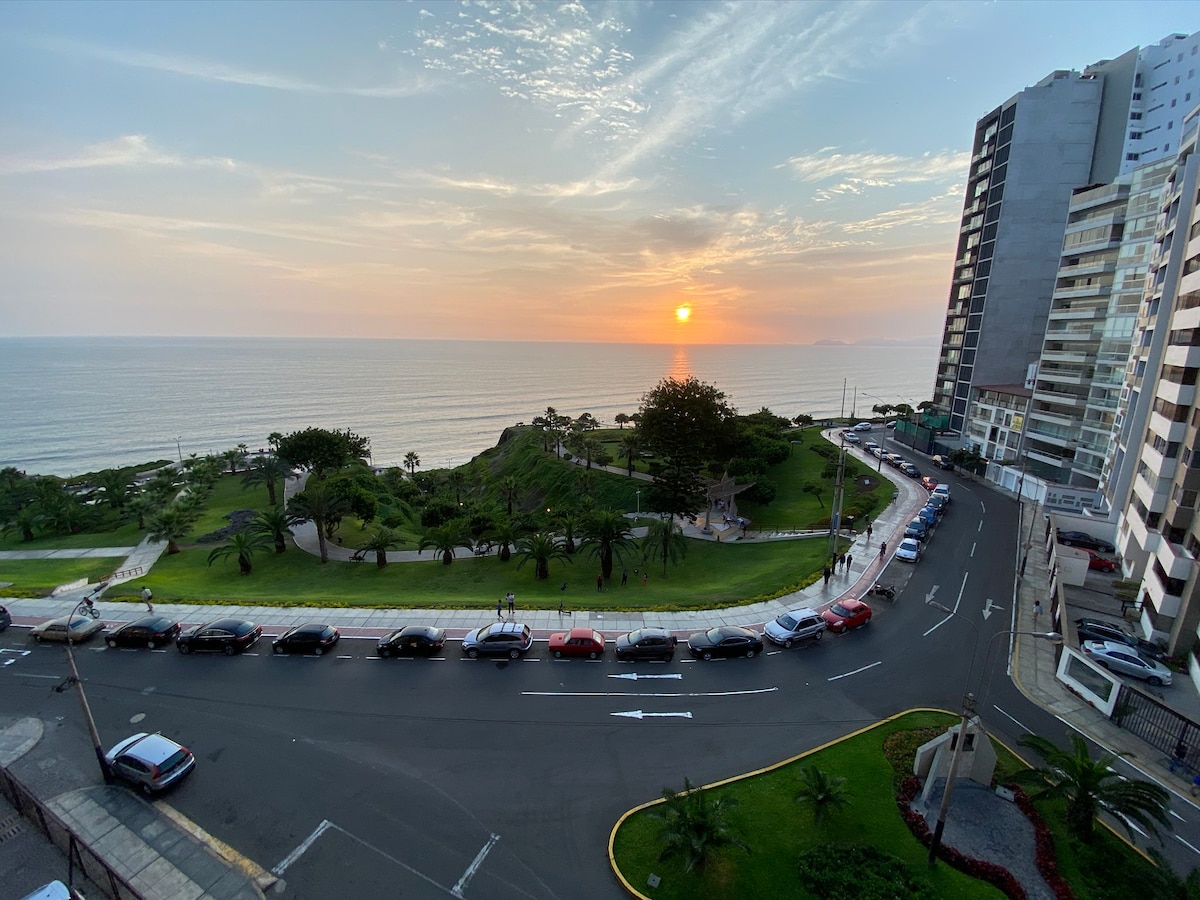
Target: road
{"points": [[353, 775]]}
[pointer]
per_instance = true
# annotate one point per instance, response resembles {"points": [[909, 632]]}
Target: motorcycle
{"points": [[884, 589]]}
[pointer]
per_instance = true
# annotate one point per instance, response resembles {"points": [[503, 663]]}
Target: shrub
{"points": [[863, 873]]}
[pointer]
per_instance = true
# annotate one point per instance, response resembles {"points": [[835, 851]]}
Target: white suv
{"points": [[795, 625]]}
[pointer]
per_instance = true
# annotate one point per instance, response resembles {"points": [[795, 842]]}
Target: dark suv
{"points": [[510, 639]]}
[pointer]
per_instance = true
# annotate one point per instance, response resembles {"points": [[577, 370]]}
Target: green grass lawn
{"points": [[38, 577], [125, 536]]}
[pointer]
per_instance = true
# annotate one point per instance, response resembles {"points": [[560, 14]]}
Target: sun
{"points": [[683, 313]]}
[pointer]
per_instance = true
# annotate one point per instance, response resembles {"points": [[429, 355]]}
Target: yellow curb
{"points": [[249, 867], [612, 835]]}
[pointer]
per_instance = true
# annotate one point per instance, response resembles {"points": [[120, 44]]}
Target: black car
{"points": [[226, 636], [1099, 630], [646, 643], [312, 638], [149, 631], [943, 462], [725, 640], [412, 640], [5, 618], [1085, 540]]}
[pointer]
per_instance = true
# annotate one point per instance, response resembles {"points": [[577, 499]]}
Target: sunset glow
{"points": [[683, 313]]}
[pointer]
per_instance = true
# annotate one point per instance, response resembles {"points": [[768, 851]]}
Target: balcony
{"points": [[1166, 429], [1175, 562], [1164, 604], [1066, 356], [1179, 394]]}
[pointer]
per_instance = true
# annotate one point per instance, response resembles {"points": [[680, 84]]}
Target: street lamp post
{"points": [[87, 710], [179, 450], [639, 501], [968, 710]]}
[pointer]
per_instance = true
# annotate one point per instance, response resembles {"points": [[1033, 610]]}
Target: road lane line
{"points": [[648, 693], [1186, 844], [856, 671], [1016, 722], [461, 884], [302, 847]]}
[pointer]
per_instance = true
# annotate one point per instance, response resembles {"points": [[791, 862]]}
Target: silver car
{"points": [[150, 762], [794, 626], [1124, 659], [67, 628]]}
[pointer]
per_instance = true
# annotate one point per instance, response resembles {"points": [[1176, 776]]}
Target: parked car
{"points": [[846, 614], [938, 502], [1084, 540], [511, 639], [412, 640], [909, 550], [928, 515], [943, 491], [73, 628], [725, 640], [226, 636], [577, 642], [869, 446], [918, 528], [646, 643], [1100, 563], [891, 424], [1087, 629], [5, 618], [313, 638], [149, 631], [879, 453], [150, 762], [929, 482], [894, 459], [795, 625], [1124, 659], [851, 438], [910, 470], [943, 462]]}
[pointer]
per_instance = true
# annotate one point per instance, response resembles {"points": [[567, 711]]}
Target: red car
{"points": [[929, 483], [846, 614], [577, 642], [1100, 563]]}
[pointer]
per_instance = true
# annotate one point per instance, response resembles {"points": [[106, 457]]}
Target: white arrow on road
{"points": [[638, 714], [634, 676], [989, 608], [9, 662], [929, 597]]}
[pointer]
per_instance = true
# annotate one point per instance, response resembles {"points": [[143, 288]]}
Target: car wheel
{"points": [[111, 643], [384, 652], [514, 654], [146, 790], [788, 644], [667, 657], [150, 645], [227, 649], [750, 653], [318, 651], [37, 638], [820, 634], [184, 648], [706, 655], [592, 655], [1157, 682], [557, 654], [277, 649], [473, 654]]}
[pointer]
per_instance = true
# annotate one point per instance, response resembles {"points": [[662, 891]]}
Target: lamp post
{"points": [[87, 710], [179, 450], [968, 710], [639, 501]]}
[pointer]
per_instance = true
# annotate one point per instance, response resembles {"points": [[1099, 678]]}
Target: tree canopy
{"points": [[319, 450]]}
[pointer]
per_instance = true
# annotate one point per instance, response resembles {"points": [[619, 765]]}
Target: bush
{"points": [[859, 873]]}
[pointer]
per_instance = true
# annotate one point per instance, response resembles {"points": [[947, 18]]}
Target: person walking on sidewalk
{"points": [[843, 566], [827, 572], [882, 549], [147, 596], [499, 607], [1037, 610], [868, 532], [849, 560]]}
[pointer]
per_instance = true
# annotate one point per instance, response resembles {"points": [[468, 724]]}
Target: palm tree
{"points": [[457, 479], [605, 534], [541, 547], [1090, 786], [446, 538], [141, 506], [318, 504], [233, 457], [694, 826], [569, 522], [243, 545], [505, 533], [664, 541], [171, 525], [411, 461], [267, 470], [116, 487], [822, 791], [379, 542], [163, 485], [510, 489], [26, 520], [631, 448], [276, 524]]}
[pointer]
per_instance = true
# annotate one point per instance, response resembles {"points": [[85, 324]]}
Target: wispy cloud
{"points": [[880, 169], [128, 150]]}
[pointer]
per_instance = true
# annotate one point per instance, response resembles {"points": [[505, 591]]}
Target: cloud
{"points": [[128, 150], [877, 169], [943, 209]]}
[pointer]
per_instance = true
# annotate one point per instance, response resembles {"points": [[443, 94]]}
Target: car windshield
{"points": [[786, 622], [173, 761], [838, 610]]}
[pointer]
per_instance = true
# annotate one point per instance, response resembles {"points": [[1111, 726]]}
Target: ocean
{"points": [[79, 404]]}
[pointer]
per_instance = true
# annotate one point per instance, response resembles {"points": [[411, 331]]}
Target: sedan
{"points": [[725, 640], [1124, 659], [850, 437], [909, 550], [222, 636], [577, 642], [412, 640], [149, 631], [67, 628], [311, 638], [918, 528], [878, 452], [1084, 540], [150, 762], [929, 482], [1088, 629], [646, 643], [846, 614], [863, 426], [1100, 563]]}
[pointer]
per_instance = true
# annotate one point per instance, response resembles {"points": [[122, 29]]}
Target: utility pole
{"points": [[968, 710]]}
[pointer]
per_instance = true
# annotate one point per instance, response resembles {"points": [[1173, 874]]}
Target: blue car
{"points": [[928, 515]]}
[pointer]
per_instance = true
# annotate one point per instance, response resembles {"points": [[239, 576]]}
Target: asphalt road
{"points": [[357, 776]]}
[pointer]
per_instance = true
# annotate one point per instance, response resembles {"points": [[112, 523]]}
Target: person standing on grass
{"points": [[512, 602]]}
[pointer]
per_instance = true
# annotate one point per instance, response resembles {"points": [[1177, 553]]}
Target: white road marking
{"points": [[972, 553], [856, 671], [1016, 722], [300, 850], [634, 676], [638, 714], [345, 657], [1186, 844], [646, 693], [461, 884]]}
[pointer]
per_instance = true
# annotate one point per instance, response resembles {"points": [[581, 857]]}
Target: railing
{"points": [[135, 572]]}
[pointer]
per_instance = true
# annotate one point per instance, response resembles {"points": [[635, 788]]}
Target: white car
{"points": [[863, 426], [878, 452], [1126, 660], [942, 490], [850, 437], [909, 550]]}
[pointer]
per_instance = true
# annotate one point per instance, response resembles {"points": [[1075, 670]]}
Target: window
{"points": [[1132, 157], [1135, 116], [1135, 135]]}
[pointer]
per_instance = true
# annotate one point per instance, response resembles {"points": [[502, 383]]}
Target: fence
{"points": [[1158, 725], [81, 861]]}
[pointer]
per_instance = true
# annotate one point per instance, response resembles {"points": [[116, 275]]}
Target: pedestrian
{"points": [[1179, 757], [849, 560], [600, 582], [845, 566], [882, 549], [868, 532], [499, 607], [1037, 610], [560, 606], [624, 578], [645, 578], [826, 572], [512, 602], [148, 595], [895, 496]]}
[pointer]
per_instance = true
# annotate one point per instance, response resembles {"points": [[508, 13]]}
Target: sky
{"points": [[686, 172]]}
